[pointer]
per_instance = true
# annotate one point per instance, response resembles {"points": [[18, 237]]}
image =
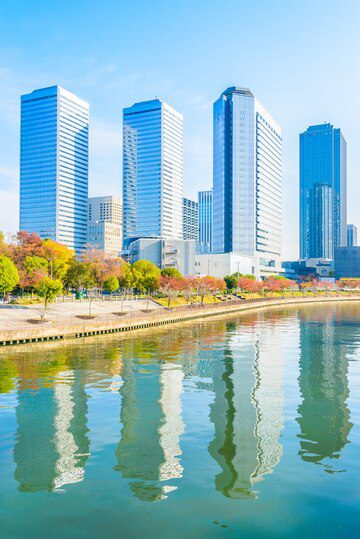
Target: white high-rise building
{"points": [[152, 171], [54, 166], [105, 224], [247, 190]]}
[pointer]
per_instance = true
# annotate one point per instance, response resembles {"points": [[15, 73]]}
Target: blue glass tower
{"points": [[205, 202], [247, 176], [322, 191], [152, 171], [54, 166]]}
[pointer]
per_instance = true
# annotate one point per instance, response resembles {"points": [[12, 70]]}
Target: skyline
{"points": [[292, 81]]}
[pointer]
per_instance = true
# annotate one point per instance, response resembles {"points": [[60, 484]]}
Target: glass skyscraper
{"points": [[322, 191], [190, 219], [247, 189], [351, 236], [205, 211], [152, 171], [54, 166]]}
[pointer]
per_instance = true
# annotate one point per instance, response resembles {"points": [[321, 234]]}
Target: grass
{"points": [[180, 301]]}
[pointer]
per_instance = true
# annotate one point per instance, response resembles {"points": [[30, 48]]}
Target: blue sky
{"points": [[301, 59]]}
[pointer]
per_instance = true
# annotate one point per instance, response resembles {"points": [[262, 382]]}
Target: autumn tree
{"points": [[170, 286], [248, 284], [32, 270]]}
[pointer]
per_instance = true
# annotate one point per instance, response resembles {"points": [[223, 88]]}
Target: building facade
{"points": [[205, 213], [152, 171], [351, 236], [54, 166], [105, 224], [190, 219], [247, 189], [169, 253], [347, 262], [322, 191]]}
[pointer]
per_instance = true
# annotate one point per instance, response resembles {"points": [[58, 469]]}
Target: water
{"points": [[245, 427]]}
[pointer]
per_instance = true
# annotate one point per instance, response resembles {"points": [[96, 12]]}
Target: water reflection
{"points": [[323, 414], [149, 449], [52, 445], [238, 365], [247, 411]]}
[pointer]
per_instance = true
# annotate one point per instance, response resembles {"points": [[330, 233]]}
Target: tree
{"points": [[9, 276], [48, 289], [204, 286], [248, 284], [111, 284], [215, 286], [32, 270], [189, 288], [231, 281], [171, 272], [126, 279], [102, 266], [146, 276], [58, 257], [79, 276], [170, 287]]}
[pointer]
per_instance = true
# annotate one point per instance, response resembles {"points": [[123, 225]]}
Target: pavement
{"points": [[18, 316]]}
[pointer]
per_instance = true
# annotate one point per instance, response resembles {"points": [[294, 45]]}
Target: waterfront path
{"points": [[145, 316]]}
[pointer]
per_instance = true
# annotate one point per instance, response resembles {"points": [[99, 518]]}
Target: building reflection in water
{"points": [[323, 414], [149, 449], [52, 446], [247, 411]]}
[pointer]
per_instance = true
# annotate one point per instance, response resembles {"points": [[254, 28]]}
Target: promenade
{"points": [[16, 326]]}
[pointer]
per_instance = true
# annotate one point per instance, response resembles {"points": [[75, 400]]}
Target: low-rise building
{"points": [[105, 224], [347, 262], [164, 253], [221, 264]]}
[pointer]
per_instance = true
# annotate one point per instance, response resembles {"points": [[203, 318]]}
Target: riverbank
{"points": [[148, 319]]}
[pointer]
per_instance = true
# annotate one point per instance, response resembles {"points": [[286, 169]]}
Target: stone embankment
{"points": [[146, 320]]}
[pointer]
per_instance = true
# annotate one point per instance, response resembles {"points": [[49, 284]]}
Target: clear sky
{"points": [[301, 59]]}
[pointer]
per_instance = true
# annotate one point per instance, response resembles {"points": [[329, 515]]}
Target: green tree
{"points": [[171, 272], [111, 284], [126, 279], [79, 276], [48, 289], [146, 275], [32, 270], [231, 281], [9, 276]]}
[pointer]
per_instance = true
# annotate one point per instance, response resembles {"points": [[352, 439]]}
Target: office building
{"points": [[190, 219], [322, 191], [169, 253], [351, 236], [105, 224], [247, 190], [347, 262], [54, 166], [205, 213], [152, 171]]}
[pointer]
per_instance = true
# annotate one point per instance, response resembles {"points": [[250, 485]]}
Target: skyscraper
{"points": [[247, 191], [105, 224], [351, 236], [152, 171], [205, 215], [54, 166], [322, 191], [190, 219]]}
